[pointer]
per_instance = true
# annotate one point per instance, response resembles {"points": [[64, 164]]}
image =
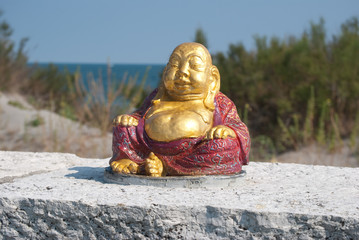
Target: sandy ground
{"points": [[55, 134], [316, 155], [59, 134]]}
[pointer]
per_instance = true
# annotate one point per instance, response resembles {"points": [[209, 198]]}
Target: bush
{"points": [[287, 83], [13, 69]]}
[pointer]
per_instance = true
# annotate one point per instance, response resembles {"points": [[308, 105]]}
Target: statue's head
{"points": [[190, 75]]}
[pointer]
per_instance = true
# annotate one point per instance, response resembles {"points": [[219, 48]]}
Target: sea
{"points": [[118, 71]]}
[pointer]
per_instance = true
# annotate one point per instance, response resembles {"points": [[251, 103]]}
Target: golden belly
{"points": [[169, 126]]}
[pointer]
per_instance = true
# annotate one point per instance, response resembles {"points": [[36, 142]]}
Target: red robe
{"points": [[193, 156]]}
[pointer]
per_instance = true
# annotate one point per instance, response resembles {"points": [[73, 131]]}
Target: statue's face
{"points": [[188, 72]]}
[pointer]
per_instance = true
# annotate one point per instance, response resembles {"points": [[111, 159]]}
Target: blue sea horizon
{"points": [[118, 71]]}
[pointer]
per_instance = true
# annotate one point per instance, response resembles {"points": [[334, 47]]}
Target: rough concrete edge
{"points": [[158, 221]]}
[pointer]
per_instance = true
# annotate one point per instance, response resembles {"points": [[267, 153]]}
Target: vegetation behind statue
{"points": [[295, 91], [291, 92]]}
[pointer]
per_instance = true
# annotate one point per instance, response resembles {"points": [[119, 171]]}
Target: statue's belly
{"points": [[167, 127]]}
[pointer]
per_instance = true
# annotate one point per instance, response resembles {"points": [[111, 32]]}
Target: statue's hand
{"points": [[154, 166], [220, 131], [125, 121], [124, 166]]}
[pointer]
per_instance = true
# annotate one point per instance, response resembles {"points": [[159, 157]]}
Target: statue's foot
{"points": [[124, 166], [154, 166]]}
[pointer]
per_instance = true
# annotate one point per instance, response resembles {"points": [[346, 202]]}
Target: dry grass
{"points": [[93, 104], [99, 103]]}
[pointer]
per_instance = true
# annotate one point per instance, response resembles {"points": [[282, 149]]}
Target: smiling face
{"points": [[188, 72]]}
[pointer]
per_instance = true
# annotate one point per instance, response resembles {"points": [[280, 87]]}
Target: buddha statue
{"points": [[185, 127]]}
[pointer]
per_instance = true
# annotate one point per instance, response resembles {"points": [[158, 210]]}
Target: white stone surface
{"points": [[52, 195]]}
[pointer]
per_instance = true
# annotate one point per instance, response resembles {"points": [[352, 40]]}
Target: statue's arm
{"points": [[223, 130], [232, 120], [230, 125]]}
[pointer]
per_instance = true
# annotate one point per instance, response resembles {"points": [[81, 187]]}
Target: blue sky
{"points": [[79, 31]]}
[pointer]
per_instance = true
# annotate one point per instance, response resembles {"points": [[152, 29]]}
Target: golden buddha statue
{"points": [[185, 127]]}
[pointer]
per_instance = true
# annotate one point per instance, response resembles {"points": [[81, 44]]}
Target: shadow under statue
{"points": [[185, 127]]}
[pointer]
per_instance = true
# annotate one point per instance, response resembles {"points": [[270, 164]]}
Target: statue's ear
{"points": [[216, 79], [213, 88]]}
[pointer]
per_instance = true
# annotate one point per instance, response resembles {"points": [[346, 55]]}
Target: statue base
{"points": [[207, 181]]}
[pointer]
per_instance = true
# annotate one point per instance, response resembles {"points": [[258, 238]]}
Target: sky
{"points": [[146, 32]]}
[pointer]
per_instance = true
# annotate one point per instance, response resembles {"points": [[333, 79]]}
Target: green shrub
{"points": [[283, 78], [36, 121], [13, 68], [16, 104]]}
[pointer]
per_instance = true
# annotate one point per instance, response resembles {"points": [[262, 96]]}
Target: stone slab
{"points": [[19, 164], [73, 201]]}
